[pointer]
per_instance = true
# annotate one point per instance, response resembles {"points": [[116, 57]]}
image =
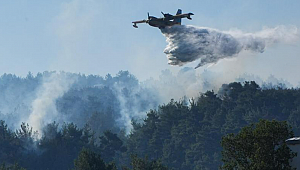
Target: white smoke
{"points": [[134, 98], [125, 112], [169, 86], [44, 106], [132, 103], [190, 43]]}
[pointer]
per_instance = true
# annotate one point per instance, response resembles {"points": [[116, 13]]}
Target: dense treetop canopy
{"points": [[183, 134]]}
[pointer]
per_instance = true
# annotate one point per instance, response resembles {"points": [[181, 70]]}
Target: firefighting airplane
{"points": [[167, 20]]}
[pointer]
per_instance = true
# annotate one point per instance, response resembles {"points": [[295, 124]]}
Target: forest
{"points": [[126, 125]]}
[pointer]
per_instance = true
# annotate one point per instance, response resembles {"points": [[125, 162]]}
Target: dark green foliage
{"points": [[110, 144], [260, 146], [181, 134], [145, 164], [9, 144], [61, 147], [88, 160], [188, 137], [11, 167]]}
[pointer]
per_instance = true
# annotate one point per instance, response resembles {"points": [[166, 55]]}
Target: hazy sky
{"points": [[97, 37]]}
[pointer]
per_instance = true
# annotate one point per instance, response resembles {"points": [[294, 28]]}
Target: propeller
{"points": [[148, 16], [163, 13]]}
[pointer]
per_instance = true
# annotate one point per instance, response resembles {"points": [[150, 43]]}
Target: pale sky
{"points": [[97, 37]]}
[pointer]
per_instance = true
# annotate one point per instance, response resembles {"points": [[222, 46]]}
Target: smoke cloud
{"points": [[105, 103], [43, 107], [190, 43]]}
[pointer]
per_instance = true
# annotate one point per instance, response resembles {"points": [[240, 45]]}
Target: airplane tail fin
{"points": [[179, 11], [178, 20]]}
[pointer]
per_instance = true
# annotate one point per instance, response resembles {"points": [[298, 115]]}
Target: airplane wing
{"points": [[188, 16], [141, 21], [138, 22]]}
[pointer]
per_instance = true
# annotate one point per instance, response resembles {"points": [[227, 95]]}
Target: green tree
{"points": [[110, 144], [9, 144], [88, 160], [11, 167], [260, 146], [145, 164], [61, 146]]}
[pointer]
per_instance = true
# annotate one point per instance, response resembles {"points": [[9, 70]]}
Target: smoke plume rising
{"points": [[190, 43], [105, 103], [43, 107]]}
